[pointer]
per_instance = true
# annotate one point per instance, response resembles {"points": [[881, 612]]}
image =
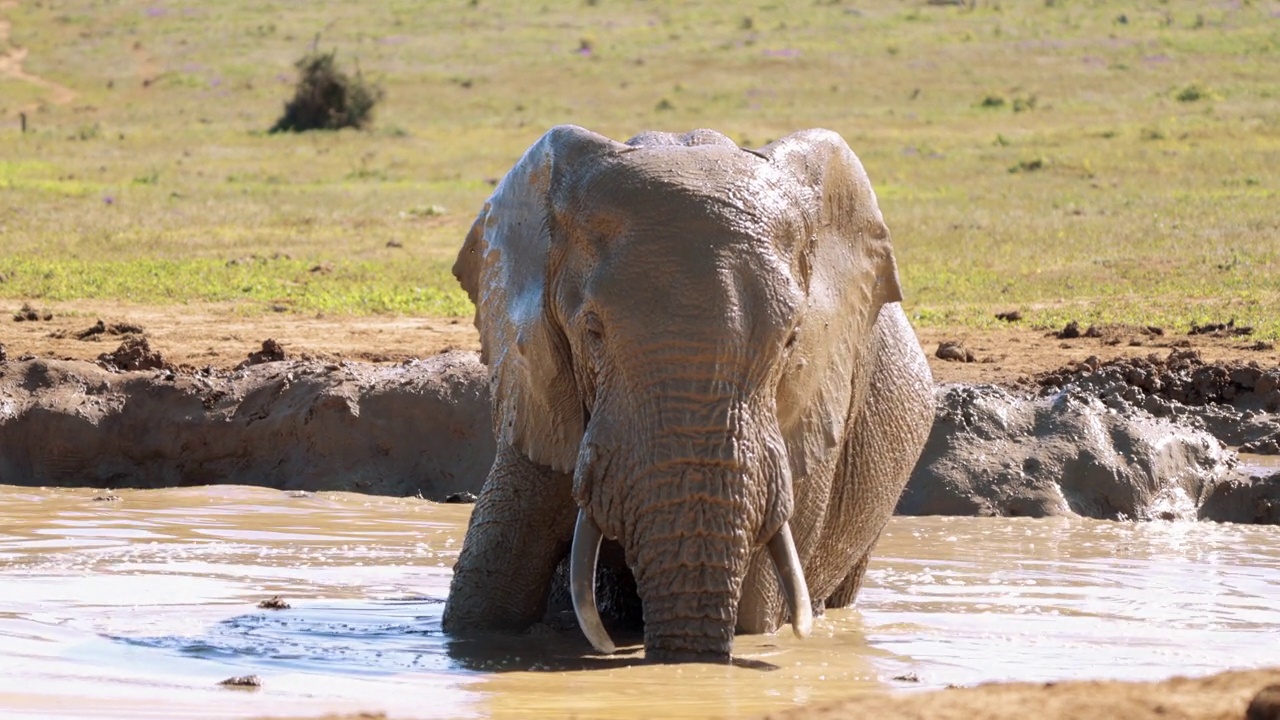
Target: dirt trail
{"points": [[11, 67]]}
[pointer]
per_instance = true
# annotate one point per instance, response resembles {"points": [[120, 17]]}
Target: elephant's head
{"points": [[658, 318]]}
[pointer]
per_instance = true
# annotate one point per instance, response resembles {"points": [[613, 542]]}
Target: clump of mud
{"points": [[27, 313], [271, 351], [134, 353], [1109, 334], [1181, 376], [1235, 402], [954, 352], [100, 328]]}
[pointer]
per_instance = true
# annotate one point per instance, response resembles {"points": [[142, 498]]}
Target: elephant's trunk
{"points": [[688, 545], [688, 503], [582, 567], [690, 557]]}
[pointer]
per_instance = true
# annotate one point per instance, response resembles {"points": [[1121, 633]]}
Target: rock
{"points": [[1070, 331]]}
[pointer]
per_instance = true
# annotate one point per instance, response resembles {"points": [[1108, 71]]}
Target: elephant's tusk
{"points": [[582, 581], [782, 548]]}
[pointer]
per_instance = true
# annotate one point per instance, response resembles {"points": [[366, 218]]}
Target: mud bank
{"points": [[1253, 695], [1136, 438], [417, 428], [1129, 439]]}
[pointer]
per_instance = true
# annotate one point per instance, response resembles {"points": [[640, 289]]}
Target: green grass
{"points": [[1040, 156]]}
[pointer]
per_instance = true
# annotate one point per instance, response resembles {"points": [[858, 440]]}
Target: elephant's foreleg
{"points": [[520, 529]]}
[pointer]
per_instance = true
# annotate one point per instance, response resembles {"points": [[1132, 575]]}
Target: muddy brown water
{"points": [[137, 606]]}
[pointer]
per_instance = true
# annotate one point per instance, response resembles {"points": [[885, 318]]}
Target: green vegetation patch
{"points": [[1069, 160], [265, 283]]}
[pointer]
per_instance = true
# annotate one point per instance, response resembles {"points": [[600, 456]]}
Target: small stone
{"points": [[907, 677], [461, 498], [274, 603]]}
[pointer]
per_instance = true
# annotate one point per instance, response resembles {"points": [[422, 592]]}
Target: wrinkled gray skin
{"points": [[695, 351]]}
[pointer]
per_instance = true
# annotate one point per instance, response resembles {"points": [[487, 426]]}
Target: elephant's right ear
{"points": [[845, 212], [503, 266]]}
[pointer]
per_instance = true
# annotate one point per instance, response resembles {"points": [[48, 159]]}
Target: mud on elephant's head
{"points": [[657, 316]]}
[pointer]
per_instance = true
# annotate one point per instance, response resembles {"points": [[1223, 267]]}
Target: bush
{"points": [[1193, 93], [326, 98]]}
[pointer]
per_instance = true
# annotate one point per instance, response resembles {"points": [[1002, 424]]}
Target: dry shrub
{"points": [[327, 98]]}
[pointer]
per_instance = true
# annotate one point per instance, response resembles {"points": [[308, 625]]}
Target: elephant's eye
{"points": [[792, 338], [593, 327]]}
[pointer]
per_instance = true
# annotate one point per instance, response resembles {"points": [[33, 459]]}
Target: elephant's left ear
{"points": [[844, 204], [505, 266]]}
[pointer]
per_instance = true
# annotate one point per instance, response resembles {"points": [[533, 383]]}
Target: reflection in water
{"points": [[138, 607]]}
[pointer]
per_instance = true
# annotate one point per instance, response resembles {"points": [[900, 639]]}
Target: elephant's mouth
{"points": [[585, 553]]}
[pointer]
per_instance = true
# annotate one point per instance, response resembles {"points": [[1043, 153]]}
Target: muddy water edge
{"points": [[137, 603]]}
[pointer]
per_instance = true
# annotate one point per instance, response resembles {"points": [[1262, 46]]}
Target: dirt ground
{"points": [[217, 335]]}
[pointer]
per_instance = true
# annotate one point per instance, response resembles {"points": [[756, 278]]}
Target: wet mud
{"points": [[1132, 438], [1135, 438], [419, 428]]}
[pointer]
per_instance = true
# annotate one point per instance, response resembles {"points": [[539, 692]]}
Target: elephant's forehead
{"points": [[716, 194]]}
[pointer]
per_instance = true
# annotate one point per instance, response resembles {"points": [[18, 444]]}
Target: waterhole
{"points": [[135, 604]]}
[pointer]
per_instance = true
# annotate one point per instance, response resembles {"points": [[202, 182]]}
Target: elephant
{"points": [[698, 358]]}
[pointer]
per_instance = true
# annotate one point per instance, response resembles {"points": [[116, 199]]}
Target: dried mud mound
{"points": [[418, 428], [1137, 439]]}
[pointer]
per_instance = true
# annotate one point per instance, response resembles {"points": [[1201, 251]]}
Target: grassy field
{"points": [[1106, 162]]}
